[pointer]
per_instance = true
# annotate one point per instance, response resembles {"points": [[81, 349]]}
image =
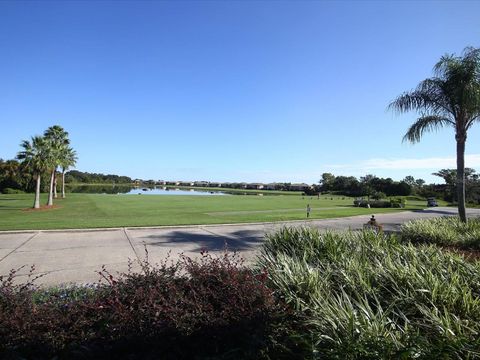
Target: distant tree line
{"points": [[14, 177], [367, 186], [75, 176], [374, 187], [448, 191]]}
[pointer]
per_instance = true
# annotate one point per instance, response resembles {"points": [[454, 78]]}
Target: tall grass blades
{"points": [[445, 231], [367, 295]]}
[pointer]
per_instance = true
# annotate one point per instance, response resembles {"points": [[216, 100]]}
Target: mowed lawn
{"points": [[101, 210]]}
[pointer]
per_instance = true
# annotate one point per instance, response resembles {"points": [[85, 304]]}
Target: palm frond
{"points": [[449, 64], [426, 123], [68, 158], [35, 154], [473, 120], [438, 99], [406, 102], [429, 96], [445, 63]]}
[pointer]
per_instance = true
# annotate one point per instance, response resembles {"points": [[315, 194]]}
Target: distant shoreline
{"points": [[222, 189]]}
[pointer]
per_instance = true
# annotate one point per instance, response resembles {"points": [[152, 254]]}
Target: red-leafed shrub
{"points": [[210, 307]]}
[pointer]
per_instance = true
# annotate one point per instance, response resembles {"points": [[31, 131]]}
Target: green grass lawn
{"points": [[101, 210]]}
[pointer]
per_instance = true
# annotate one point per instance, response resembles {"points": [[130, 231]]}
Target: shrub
{"points": [[372, 203], [367, 296], [445, 231], [190, 309], [11, 191], [377, 195], [398, 202]]}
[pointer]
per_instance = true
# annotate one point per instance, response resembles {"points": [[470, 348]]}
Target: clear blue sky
{"points": [[230, 91]]}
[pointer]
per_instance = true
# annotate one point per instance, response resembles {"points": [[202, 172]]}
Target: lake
{"points": [[131, 190], [172, 191]]}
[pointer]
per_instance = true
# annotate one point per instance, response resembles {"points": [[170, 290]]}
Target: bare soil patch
{"points": [[44, 208], [468, 254]]}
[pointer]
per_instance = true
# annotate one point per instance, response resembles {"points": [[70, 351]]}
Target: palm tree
{"points": [[35, 156], [58, 141], [451, 98], [68, 159]]}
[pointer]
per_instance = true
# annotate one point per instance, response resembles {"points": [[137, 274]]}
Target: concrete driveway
{"points": [[76, 256]]}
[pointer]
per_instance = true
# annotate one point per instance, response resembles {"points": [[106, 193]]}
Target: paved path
{"points": [[75, 255]]}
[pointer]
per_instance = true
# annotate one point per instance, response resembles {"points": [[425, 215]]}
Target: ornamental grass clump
{"points": [[212, 307], [444, 231], [366, 295]]}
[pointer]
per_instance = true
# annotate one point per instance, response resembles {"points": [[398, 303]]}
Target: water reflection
{"points": [[171, 191], [131, 190], [98, 189]]}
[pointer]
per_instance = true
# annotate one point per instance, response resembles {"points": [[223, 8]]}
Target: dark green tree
{"points": [[326, 182], [450, 176], [11, 175], [419, 183], [410, 180]]}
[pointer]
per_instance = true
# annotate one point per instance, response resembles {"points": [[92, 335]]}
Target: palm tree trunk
{"points": [[461, 178], [36, 204], [63, 183], [50, 192], [55, 185]]}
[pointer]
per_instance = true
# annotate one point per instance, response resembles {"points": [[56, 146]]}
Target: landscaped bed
{"points": [[212, 307], [444, 231], [366, 295], [311, 295]]}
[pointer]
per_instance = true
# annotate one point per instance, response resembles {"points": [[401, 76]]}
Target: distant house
{"points": [[255, 186], [215, 184], [161, 182], [270, 186], [201, 184], [173, 183], [299, 187], [186, 183]]}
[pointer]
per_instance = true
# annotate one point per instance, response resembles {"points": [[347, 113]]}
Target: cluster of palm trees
{"points": [[449, 99], [46, 154]]}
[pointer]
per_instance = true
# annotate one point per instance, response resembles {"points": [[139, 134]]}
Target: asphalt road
{"points": [[76, 256]]}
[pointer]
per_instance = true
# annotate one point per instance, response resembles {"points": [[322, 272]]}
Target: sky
{"points": [[256, 91]]}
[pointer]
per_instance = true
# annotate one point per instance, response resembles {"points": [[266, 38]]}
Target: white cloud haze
{"points": [[435, 163]]}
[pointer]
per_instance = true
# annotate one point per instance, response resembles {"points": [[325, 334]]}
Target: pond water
{"points": [[131, 190], [171, 191]]}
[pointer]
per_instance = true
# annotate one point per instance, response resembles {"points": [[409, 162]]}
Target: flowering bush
{"points": [[208, 307]]}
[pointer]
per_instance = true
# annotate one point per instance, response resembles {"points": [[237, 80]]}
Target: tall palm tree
{"points": [[35, 156], [450, 98], [68, 159], [58, 140]]}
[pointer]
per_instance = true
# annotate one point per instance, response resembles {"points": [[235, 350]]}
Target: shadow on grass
{"points": [[237, 241]]}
